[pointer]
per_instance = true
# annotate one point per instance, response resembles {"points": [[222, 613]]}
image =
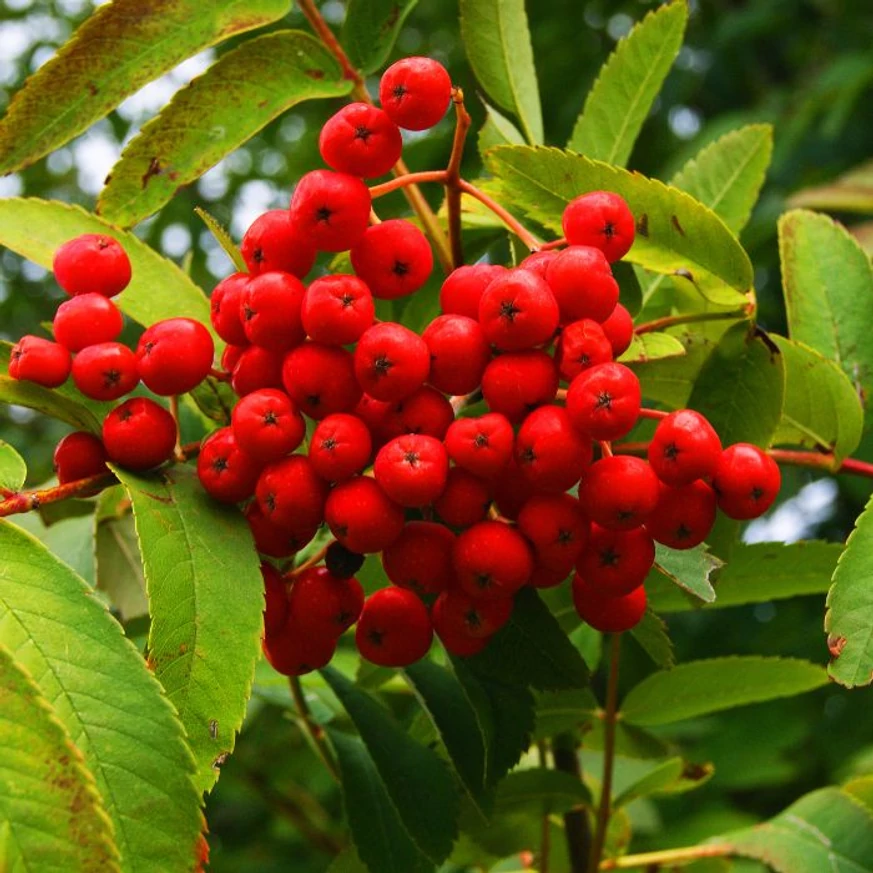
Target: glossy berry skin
{"points": [[459, 353], [683, 516], [517, 383], [684, 447], [538, 262], [457, 614], [226, 472], [340, 447], [320, 379], [512, 489], [330, 209], [600, 219], [608, 614], [518, 311], [455, 643], [275, 541], [465, 499], [464, 286], [550, 452], [415, 92], [324, 604], [230, 357], [290, 495], [604, 401], [619, 330], [391, 362], [394, 258], [582, 345], [619, 492], [362, 516], [361, 140], [256, 368], [79, 455], [294, 651], [270, 311], [92, 263], [342, 563], [482, 446], [139, 434], [746, 481], [582, 282], [34, 359], [275, 600], [174, 356], [273, 242], [412, 469], [616, 561], [557, 528], [106, 371], [394, 629], [267, 425], [226, 309], [86, 320], [337, 310], [420, 559], [492, 560], [426, 412]]}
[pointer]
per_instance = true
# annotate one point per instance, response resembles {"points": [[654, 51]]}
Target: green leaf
{"points": [[219, 111], [675, 233], [497, 41], [215, 399], [861, 788], [347, 862], [673, 776], [70, 539], [370, 30], [417, 781], [48, 797], [741, 386], [825, 830], [619, 101], [653, 346], [223, 238], [821, 409], [13, 470], [690, 569], [497, 130], [540, 792], [702, 687], [158, 290], [727, 174], [652, 635], [120, 48], [630, 290], [560, 711], [105, 697], [851, 192], [206, 599]]}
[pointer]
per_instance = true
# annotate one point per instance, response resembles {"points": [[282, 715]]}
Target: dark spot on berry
{"points": [[683, 532], [125, 415], [111, 378], [480, 440], [609, 230], [323, 213], [609, 558], [398, 92], [382, 365], [147, 348], [411, 458], [757, 494], [329, 444], [564, 537], [508, 310], [313, 399], [671, 452], [400, 268], [472, 619], [483, 580], [270, 418], [248, 312], [375, 637], [347, 300], [343, 617], [528, 456], [604, 400], [270, 500], [625, 514], [362, 132], [219, 465]]}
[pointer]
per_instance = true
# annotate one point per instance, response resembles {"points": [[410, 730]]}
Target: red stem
{"points": [[655, 414], [408, 179], [506, 217]]}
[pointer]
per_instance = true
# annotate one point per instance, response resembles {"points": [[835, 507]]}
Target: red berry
{"points": [[274, 243], [394, 629], [226, 310], [391, 362], [324, 604], [551, 454], [684, 516], [458, 645], [583, 285], [39, 360], [604, 401], [320, 379], [619, 330], [512, 489], [267, 425], [518, 311], [463, 288], [544, 578], [92, 263], [619, 492], [174, 356], [362, 140], [557, 528], [457, 614], [412, 469], [270, 311], [275, 600], [79, 455], [86, 320], [394, 259], [340, 447], [332, 210], [106, 371], [684, 447], [426, 412], [337, 310], [377, 415], [617, 561], [275, 541], [225, 471], [256, 368], [517, 383], [421, 558], [139, 434], [482, 446], [415, 92], [746, 481], [294, 650], [362, 516], [465, 499], [538, 262], [459, 353], [582, 345], [600, 219], [608, 614], [290, 495], [230, 357], [492, 560], [340, 562]]}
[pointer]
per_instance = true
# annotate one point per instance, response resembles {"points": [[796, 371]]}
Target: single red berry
{"points": [[457, 614], [394, 629], [79, 455], [421, 558], [174, 356], [225, 471], [324, 604], [519, 382], [290, 494], [320, 379], [512, 489], [139, 434], [482, 446], [600, 219], [273, 242], [391, 362], [340, 447], [362, 516], [230, 357], [377, 415], [337, 310], [256, 368], [412, 469], [617, 561], [550, 452], [492, 560], [332, 210], [582, 282], [426, 412], [394, 258], [459, 353], [463, 288], [465, 499], [106, 371], [746, 481], [275, 541], [267, 425], [683, 516], [275, 600], [619, 330], [415, 92], [226, 310], [340, 562], [538, 262], [684, 447], [619, 492], [543, 577], [518, 311], [270, 311], [582, 345], [604, 401], [608, 614], [294, 650], [361, 140], [92, 263], [458, 645], [557, 528], [34, 359], [86, 320]]}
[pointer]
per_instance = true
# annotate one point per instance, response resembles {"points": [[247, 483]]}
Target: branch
{"points": [[453, 176], [672, 320], [654, 860], [408, 179], [313, 730], [577, 828]]}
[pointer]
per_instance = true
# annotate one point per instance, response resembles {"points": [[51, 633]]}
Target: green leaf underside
{"points": [[689, 569], [497, 41], [702, 687], [651, 633], [653, 346], [120, 48], [497, 130], [370, 30], [48, 797], [665, 777], [111, 706], [13, 470], [619, 101], [559, 711], [540, 792], [219, 111], [206, 602], [851, 192], [416, 780], [674, 232]]}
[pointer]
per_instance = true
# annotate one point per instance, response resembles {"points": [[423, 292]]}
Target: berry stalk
{"points": [[312, 729], [453, 176]]}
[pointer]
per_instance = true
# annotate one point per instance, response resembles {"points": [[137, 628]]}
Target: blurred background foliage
{"points": [[805, 66]]}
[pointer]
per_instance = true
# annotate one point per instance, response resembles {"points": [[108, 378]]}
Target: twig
{"points": [[453, 177], [178, 453], [409, 179], [577, 827], [311, 561], [690, 318], [653, 860], [311, 727]]}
